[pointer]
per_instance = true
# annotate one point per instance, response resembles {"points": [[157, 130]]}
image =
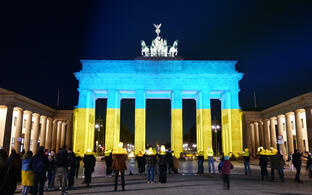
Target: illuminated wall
{"points": [[158, 79]]}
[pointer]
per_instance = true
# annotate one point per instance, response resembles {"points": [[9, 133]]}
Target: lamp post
{"points": [[215, 128]]}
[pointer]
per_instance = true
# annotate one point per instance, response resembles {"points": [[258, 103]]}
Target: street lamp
{"points": [[215, 128]]}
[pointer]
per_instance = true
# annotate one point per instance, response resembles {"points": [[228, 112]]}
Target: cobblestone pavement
{"points": [[188, 182]]}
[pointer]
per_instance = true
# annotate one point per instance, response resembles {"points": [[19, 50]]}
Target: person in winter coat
{"points": [[131, 158], [13, 174], [162, 163], [72, 163], [246, 158], [200, 161], [27, 173], [108, 161], [151, 161], [170, 162], [141, 162], [226, 170], [210, 160], [296, 160], [3, 170], [61, 160], [119, 165], [89, 164], [39, 166], [78, 157], [263, 162], [175, 164], [51, 170], [277, 162]]}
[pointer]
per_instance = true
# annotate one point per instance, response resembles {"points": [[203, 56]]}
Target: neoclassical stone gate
{"points": [[158, 79]]}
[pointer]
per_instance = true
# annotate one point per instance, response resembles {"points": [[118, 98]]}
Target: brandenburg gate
{"points": [[158, 74]]}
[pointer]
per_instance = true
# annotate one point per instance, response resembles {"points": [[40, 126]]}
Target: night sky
{"points": [[41, 43]]}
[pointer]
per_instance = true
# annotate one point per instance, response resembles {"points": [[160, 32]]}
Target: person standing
{"points": [[175, 163], [277, 162], [61, 161], [27, 173], [140, 160], [108, 161], [78, 157], [51, 170], [13, 174], [3, 170], [200, 161], [309, 164], [131, 157], [210, 160], [72, 163], [226, 170], [263, 163], [39, 165], [151, 162], [170, 162], [162, 163], [119, 165], [296, 160], [89, 164], [246, 158]]}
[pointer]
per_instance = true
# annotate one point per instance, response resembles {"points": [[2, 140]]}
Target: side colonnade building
{"points": [[286, 126], [28, 124], [158, 79]]}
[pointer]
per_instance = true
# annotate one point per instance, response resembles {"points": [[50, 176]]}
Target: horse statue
{"points": [[173, 51], [165, 49], [145, 49]]}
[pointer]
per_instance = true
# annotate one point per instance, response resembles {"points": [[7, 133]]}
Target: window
{"points": [[32, 125], [12, 141], [302, 124], [24, 123], [284, 127], [292, 125]]}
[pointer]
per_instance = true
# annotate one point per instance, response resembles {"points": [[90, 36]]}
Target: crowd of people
{"points": [[59, 170]]}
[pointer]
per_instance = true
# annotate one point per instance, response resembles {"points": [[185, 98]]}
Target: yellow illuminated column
{"points": [[139, 134], [280, 132], [48, 141], [261, 134], [54, 135], [273, 132], [299, 127], [257, 134], [43, 130], [203, 122], [267, 139], [63, 134], [18, 129], [6, 115], [290, 140], [84, 121], [28, 116], [232, 134], [35, 135], [112, 134], [176, 123], [58, 135], [252, 138]]}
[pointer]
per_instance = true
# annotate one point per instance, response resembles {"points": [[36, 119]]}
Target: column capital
{"points": [[27, 112], [266, 120], [35, 115], [260, 122], [299, 111], [280, 116], [289, 113], [49, 118], [18, 109], [43, 117], [273, 118]]}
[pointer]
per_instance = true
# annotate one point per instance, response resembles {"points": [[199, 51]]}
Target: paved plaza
{"points": [[188, 182]]}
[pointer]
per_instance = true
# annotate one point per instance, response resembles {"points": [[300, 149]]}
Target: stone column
{"points": [[261, 133], [248, 137], [253, 141], [68, 134], [112, 133], [267, 137], [280, 132], [63, 134], [18, 129], [299, 134], [6, 116], [35, 135], [273, 132], [203, 122], [58, 135], [290, 140], [43, 130], [28, 116], [54, 135], [256, 135], [139, 122], [177, 123], [308, 112], [48, 142]]}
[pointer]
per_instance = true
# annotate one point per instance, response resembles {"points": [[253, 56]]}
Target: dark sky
{"points": [[41, 43]]}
